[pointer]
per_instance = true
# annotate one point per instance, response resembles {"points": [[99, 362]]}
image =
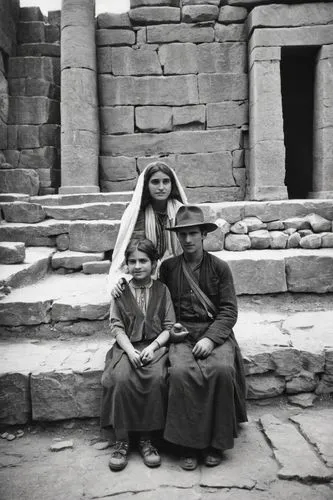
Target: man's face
{"points": [[191, 239]]}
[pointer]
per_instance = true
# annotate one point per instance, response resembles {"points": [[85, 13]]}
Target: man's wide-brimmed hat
{"points": [[190, 216]]}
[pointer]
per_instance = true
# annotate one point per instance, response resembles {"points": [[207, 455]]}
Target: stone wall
{"points": [[31, 162], [173, 84]]}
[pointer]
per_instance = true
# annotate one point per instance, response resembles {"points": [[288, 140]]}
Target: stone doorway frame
{"points": [[266, 169]]}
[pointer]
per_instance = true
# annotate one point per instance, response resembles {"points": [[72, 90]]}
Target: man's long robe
{"points": [[206, 396]]}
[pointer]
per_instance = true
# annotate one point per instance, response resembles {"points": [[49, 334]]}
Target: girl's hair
{"points": [[143, 245], [152, 168]]}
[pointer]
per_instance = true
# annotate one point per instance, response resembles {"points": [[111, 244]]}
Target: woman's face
{"points": [[159, 186]]}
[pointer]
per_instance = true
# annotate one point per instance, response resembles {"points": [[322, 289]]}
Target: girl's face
{"points": [[159, 186], [140, 266]]}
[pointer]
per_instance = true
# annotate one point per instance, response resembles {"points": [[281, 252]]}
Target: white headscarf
{"points": [[128, 221]]}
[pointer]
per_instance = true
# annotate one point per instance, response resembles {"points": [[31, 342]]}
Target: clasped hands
{"points": [[144, 357]]}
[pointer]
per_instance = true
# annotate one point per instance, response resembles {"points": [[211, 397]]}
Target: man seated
{"points": [[206, 376]]}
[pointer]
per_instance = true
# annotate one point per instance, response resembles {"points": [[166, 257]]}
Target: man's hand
{"points": [[118, 289], [134, 357], [203, 348], [147, 354]]}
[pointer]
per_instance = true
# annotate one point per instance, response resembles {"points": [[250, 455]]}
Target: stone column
{"points": [[267, 151], [79, 105], [323, 125]]}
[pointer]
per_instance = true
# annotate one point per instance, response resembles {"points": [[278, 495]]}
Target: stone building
{"points": [[236, 95]]}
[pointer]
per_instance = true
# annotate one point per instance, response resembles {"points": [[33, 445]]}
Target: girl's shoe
{"points": [[189, 459], [212, 457], [119, 456], [149, 453]]}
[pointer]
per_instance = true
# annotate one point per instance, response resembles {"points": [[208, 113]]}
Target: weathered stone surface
{"points": [[239, 228], [278, 239], [179, 58], [109, 20], [153, 118], [281, 37], [222, 87], [254, 223], [31, 32], [180, 33], [19, 181], [199, 13], [80, 48], [39, 158], [237, 242], [214, 241], [74, 307], [311, 241], [260, 239], [73, 260], [230, 33], [297, 459], [15, 405], [297, 223], [33, 110], [293, 240], [264, 386], [62, 242], [317, 432], [104, 59], [31, 14], [287, 362], [34, 268], [249, 269], [327, 240], [325, 385], [62, 445], [39, 50], [114, 37], [27, 312], [189, 116], [227, 114], [141, 61], [93, 236], [154, 15], [153, 90], [88, 211], [11, 252], [30, 234], [275, 225], [20, 211], [115, 187], [310, 271], [229, 14], [117, 120], [170, 143], [117, 168], [304, 399], [319, 224], [304, 382], [102, 267], [222, 57]]}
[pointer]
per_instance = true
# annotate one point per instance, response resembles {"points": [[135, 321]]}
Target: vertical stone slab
{"points": [[267, 151], [323, 125], [79, 104]]}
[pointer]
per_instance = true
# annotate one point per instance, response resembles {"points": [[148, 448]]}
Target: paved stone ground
{"points": [[284, 452]]}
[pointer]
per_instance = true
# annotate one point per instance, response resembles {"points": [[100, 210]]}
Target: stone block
{"points": [[117, 168], [201, 2], [319, 224], [150, 3], [296, 223], [110, 20], [31, 14], [278, 239], [310, 241], [257, 272], [264, 386], [141, 61], [182, 33], [260, 239], [65, 394], [293, 240], [72, 260], [39, 158], [188, 116], [78, 13], [33, 88], [171, 143], [148, 90], [254, 223], [229, 14], [229, 113], [20, 211], [23, 136], [25, 312], [62, 242], [199, 13], [237, 242], [52, 33], [222, 57], [87, 211], [287, 362], [217, 167], [33, 110], [44, 68], [304, 382], [115, 187], [15, 405], [154, 15], [214, 194], [73, 308], [222, 87], [296, 36], [239, 227], [114, 37], [153, 118], [54, 17], [230, 33], [310, 271], [102, 267], [80, 48], [179, 58], [19, 181], [327, 240], [49, 135], [93, 236], [117, 119], [214, 241], [39, 50], [12, 252], [31, 32], [104, 59]]}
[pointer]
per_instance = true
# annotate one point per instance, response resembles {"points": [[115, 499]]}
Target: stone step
{"points": [[285, 352], [80, 198], [35, 266]]}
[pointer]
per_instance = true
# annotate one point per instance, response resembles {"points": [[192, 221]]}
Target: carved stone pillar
{"points": [[79, 104]]}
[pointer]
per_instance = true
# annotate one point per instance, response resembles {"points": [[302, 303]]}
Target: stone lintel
{"points": [[264, 54]]}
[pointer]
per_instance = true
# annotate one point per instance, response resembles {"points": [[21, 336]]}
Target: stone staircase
{"points": [[54, 308]]}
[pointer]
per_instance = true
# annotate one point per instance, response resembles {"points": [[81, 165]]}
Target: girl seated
{"points": [[134, 379]]}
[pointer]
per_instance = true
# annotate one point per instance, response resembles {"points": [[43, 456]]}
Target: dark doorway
{"points": [[297, 84]]}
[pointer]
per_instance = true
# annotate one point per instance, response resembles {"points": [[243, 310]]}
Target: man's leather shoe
{"points": [[119, 456], [212, 457], [189, 459], [149, 453]]}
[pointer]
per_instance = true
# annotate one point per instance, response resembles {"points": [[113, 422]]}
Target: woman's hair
{"points": [[152, 168], [143, 245]]}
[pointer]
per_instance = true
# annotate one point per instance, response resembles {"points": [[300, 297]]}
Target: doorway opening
{"points": [[297, 86]]}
